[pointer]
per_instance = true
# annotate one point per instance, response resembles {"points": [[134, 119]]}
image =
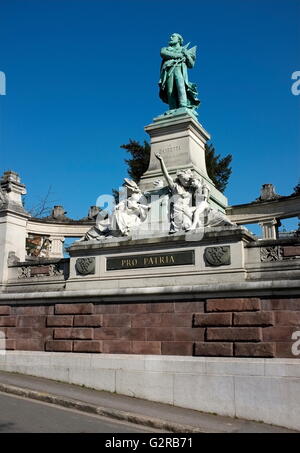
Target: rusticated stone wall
{"points": [[240, 327]]}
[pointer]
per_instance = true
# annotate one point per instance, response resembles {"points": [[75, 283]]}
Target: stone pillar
{"points": [[13, 221], [56, 249], [180, 139], [269, 229]]}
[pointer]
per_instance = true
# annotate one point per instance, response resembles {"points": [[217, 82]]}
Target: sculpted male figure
{"points": [[175, 89]]}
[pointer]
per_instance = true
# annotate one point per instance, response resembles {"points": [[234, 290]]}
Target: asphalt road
{"points": [[21, 415]]}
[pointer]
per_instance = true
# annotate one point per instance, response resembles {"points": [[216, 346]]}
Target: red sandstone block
{"points": [[292, 304], [146, 347], [59, 346], [117, 347], [19, 332], [29, 332], [106, 308], [4, 310], [31, 321], [87, 346], [133, 308], [34, 310], [147, 320], [188, 334], [133, 333], [60, 321], [13, 332], [88, 320], [177, 348], [279, 333], [117, 320], [120, 333], [246, 304], [214, 349], [159, 333], [74, 309], [189, 307], [181, 320], [287, 318], [160, 307], [234, 334], [264, 318], [108, 333], [284, 350], [254, 349], [30, 344], [292, 250], [162, 320], [8, 321], [212, 319], [75, 333], [152, 320], [10, 345]]}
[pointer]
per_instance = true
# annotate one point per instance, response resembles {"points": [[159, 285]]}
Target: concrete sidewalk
{"points": [[135, 410]]}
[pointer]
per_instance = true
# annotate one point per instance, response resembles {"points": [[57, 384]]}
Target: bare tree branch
{"points": [[44, 207]]}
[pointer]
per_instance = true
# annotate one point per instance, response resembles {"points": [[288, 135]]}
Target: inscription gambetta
{"points": [[151, 260], [170, 149]]}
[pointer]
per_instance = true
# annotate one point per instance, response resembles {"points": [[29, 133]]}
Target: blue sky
{"points": [[82, 79]]}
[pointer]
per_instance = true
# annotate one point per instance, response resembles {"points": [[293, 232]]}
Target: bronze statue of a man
{"points": [[175, 89]]}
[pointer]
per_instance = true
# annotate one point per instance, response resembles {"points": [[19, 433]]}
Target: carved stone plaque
{"points": [[153, 260], [85, 266], [269, 254], [217, 256]]}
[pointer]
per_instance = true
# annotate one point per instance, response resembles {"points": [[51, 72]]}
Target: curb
{"points": [[115, 414]]}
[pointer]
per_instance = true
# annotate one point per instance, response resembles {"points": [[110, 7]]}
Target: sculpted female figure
{"points": [[181, 210], [204, 215], [127, 215], [201, 197], [130, 213]]}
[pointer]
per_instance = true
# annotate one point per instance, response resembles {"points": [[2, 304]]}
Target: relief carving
{"points": [[217, 256], [85, 266]]}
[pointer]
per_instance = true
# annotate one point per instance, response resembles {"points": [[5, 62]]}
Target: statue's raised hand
{"points": [[159, 157]]}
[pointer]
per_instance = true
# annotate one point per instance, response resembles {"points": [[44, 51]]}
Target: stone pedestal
{"points": [[195, 258], [180, 139]]}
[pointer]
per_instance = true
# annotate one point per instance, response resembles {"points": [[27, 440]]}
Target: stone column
{"points": [[13, 221], [56, 249], [269, 229]]}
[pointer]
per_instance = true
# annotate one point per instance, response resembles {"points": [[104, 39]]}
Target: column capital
{"points": [[11, 191]]}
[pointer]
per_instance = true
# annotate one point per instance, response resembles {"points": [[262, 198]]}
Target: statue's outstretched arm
{"points": [[165, 171]]}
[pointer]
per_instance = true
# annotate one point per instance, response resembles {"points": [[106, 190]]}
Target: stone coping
{"points": [[252, 289], [62, 221], [217, 234], [39, 262], [252, 204], [273, 242]]}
